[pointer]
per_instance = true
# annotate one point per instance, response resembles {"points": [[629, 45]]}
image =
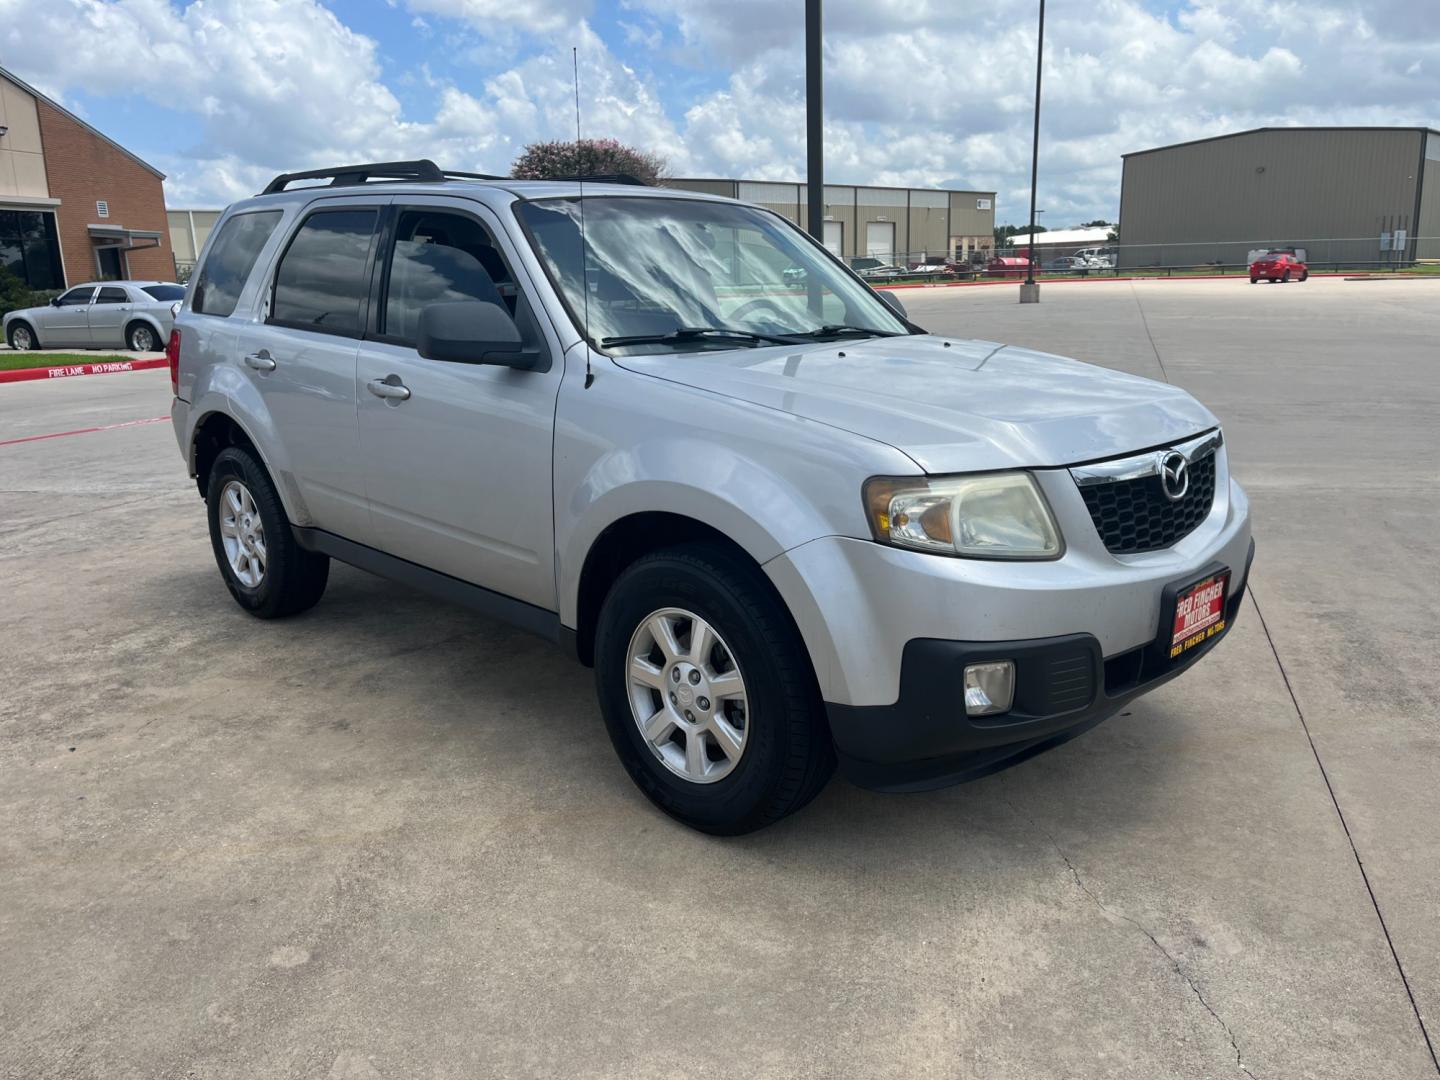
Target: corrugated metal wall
{"points": [[1428, 229], [1330, 191]]}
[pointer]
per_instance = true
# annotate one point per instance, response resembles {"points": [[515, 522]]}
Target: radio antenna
{"points": [[584, 247]]}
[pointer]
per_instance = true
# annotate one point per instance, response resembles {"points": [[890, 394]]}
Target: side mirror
{"points": [[890, 300], [473, 332], [54, 301]]}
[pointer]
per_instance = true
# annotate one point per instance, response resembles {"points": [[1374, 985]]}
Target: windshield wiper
{"points": [[697, 333], [839, 330]]}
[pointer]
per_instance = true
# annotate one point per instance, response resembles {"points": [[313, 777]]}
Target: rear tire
{"points": [[1304, 275], [784, 755], [266, 571], [22, 337], [141, 337], [1285, 277], [1254, 281]]}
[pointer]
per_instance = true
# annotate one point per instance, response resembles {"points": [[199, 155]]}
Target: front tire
{"points": [[708, 693], [266, 571], [22, 338], [1285, 277], [1304, 275]]}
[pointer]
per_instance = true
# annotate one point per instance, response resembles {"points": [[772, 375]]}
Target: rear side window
{"points": [[226, 268], [113, 296], [166, 292], [323, 278]]}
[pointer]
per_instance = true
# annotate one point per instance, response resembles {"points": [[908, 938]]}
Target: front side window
{"points": [[77, 297], [113, 296], [665, 268], [440, 258], [230, 260], [323, 276]]}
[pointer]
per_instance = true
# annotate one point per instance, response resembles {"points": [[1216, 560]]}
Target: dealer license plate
{"points": [[1199, 613]]}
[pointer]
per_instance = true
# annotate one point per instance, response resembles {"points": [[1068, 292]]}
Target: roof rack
{"points": [[422, 171]]}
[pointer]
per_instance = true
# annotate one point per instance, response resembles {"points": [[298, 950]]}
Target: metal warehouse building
{"points": [[893, 225], [1347, 196]]}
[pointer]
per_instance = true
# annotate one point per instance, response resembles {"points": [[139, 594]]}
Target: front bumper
{"points": [[1064, 686]]}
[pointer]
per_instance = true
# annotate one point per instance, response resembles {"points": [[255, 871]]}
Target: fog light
{"points": [[989, 687]]}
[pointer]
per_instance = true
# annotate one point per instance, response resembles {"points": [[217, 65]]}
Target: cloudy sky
{"points": [[222, 94]]}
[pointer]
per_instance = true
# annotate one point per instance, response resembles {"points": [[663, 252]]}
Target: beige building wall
{"points": [[22, 159], [189, 229], [922, 221], [1329, 190]]}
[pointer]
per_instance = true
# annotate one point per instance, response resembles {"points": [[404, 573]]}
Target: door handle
{"points": [[260, 361], [393, 391]]}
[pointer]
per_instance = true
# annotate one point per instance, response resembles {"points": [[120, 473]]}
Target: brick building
{"points": [[74, 205]]}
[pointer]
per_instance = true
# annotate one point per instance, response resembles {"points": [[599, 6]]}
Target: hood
{"points": [[952, 405]]}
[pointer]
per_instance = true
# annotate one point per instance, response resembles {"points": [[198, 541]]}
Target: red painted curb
{"points": [[69, 371]]}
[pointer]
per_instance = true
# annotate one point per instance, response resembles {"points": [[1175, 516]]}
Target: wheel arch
{"points": [[20, 320], [213, 433], [626, 540]]}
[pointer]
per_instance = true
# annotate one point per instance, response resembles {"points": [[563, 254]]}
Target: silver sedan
{"points": [[134, 315]]}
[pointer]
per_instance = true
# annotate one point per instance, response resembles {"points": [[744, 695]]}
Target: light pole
{"points": [[814, 123], [1030, 290]]}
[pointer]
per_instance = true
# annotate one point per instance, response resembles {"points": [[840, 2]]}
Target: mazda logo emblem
{"points": [[1174, 475]]}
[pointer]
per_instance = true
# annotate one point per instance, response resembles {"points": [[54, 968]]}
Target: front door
{"points": [[111, 261], [301, 359], [108, 316], [68, 321], [458, 471]]}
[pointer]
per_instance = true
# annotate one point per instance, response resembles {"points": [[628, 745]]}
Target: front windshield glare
{"points": [[664, 268]]}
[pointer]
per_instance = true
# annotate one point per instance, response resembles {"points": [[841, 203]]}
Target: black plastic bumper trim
{"points": [[925, 740]]}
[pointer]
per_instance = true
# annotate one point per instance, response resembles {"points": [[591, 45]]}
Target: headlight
{"points": [[987, 516]]}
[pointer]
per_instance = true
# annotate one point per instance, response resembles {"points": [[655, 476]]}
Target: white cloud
{"points": [[917, 91]]}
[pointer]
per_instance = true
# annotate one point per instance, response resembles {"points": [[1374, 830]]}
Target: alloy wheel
{"points": [[142, 339], [243, 534], [21, 339], [687, 695]]}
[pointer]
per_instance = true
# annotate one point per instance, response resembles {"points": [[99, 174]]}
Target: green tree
{"points": [[15, 294], [586, 157]]}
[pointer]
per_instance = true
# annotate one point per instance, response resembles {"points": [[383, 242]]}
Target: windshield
{"points": [[662, 269]]}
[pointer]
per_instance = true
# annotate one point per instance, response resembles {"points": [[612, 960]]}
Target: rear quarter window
{"points": [[232, 256]]}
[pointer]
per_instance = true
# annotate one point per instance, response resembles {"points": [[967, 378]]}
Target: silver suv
{"points": [[786, 526]]}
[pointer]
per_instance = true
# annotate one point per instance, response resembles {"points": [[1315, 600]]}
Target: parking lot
{"points": [[390, 838]]}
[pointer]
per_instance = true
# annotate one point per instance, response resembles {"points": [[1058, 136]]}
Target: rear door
{"points": [[68, 322], [108, 316], [301, 358], [458, 472]]}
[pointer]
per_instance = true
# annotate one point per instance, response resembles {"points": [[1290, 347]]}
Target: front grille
{"points": [[1134, 515]]}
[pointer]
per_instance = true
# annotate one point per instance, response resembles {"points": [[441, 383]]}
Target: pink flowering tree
{"points": [[587, 157]]}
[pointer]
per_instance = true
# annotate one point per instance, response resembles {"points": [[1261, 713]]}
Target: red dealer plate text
{"points": [[1199, 613]]}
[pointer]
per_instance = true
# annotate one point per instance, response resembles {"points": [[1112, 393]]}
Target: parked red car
{"points": [[1277, 266], [1006, 266]]}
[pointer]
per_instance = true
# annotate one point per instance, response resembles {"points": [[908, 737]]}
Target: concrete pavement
{"points": [[389, 838]]}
